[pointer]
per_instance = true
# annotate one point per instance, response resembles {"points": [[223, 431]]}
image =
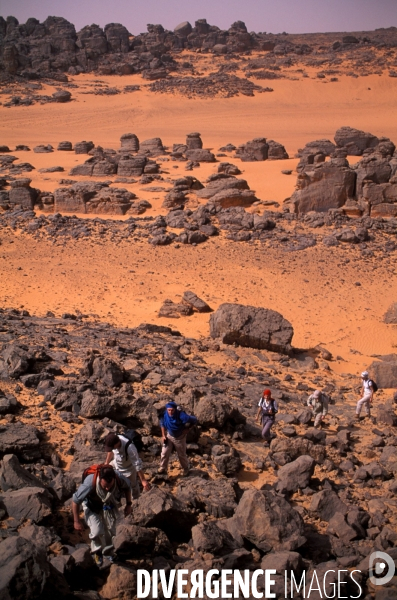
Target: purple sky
{"points": [[275, 16]]}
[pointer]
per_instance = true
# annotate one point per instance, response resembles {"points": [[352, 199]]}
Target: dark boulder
{"points": [[252, 327], [216, 497], [296, 474], [217, 412], [159, 508], [326, 504], [256, 149], [20, 439], [14, 477], [25, 573], [384, 371], [226, 459], [208, 537], [354, 141], [195, 302], [33, 503], [267, 521]]}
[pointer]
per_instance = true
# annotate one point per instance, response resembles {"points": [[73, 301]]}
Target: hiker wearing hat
{"points": [[367, 393], [175, 425], [124, 457], [318, 402], [99, 495], [267, 413]]}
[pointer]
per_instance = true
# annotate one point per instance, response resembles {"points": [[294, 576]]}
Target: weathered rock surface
{"points": [[267, 521], [252, 327], [20, 439], [296, 474], [216, 497], [384, 371], [326, 185], [354, 141], [33, 503], [14, 477]]}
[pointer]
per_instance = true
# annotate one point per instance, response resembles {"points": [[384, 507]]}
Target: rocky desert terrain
{"points": [[196, 215]]}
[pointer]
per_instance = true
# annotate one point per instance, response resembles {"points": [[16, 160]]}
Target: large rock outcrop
{"points": [[252, 327], [323, 186], [354, 141], [93, 197]]}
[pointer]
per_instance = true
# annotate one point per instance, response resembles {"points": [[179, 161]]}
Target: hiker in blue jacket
{"points": [[267, 409], [175, 425]]}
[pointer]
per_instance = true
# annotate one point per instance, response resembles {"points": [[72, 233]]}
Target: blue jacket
{"points": [[176, 425]]}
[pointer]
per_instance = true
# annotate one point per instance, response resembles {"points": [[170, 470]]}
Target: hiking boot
{"points": [[98, 559], [113, 558], [357, 417], [266, 444], [162, 471], [185, 472]]}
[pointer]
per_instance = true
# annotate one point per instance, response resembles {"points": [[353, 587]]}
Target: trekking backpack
{"points": [[133, 437], [374, 385], [94, 470]]}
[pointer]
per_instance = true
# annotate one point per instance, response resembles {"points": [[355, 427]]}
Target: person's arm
{"points": [[78, 497], [146, 485], [163, 433], [371, 388], [137, 462], [309, 402], [77, 522], [109, 457]]}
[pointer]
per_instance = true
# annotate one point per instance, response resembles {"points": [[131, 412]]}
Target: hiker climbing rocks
{"points": [[99, 495], [318, 402], [367, 393], [175, 425], [123, 456], [266, 414]]}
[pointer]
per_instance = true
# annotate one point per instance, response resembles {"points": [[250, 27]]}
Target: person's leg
{"points": [[136, 492], [317, 419], [267, 425], [180, 447], [364, 401], [97, 530], [165, 455]]}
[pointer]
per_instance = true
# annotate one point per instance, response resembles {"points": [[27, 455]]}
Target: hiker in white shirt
{"points": [[367, 393], [124, 457]]}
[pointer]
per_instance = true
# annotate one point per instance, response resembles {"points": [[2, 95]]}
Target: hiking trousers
{"points": [[100, 535], [180, 447], [317, 418], [364, 402], [267, 423]]}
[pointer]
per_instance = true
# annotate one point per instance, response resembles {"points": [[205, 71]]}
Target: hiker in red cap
{"points": [[266, 414]]}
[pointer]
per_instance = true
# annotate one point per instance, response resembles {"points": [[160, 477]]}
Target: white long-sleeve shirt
{"points": [[126, 463]]}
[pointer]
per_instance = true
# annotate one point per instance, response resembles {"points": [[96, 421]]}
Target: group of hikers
{"points": [[104, 485]]}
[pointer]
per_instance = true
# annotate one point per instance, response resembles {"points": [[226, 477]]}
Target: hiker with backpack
{"points": [[123, 455], [99, 495], [175, 424], [266, 414], [367, 393], [318, 402]]}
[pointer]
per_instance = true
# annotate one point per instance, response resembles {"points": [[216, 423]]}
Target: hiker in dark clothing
{"points": [[99, 494], [266, 413]]}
